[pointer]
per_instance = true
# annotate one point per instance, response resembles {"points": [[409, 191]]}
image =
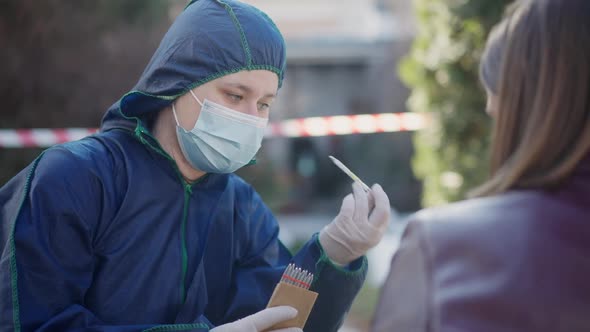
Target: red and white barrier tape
{"points": [[41, 137], [348, 124], [305, 127]]}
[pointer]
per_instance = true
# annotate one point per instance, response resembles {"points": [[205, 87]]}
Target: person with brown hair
{"points": [[515, 257]]}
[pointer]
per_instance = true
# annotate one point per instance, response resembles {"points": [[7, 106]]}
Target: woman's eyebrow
{"points": [[247, 89]]}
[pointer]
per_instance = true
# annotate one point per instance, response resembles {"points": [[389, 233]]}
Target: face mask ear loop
{"points": [[174, 112], [195, 96]]}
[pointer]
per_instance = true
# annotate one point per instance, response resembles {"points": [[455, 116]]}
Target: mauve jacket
{"points": [[519, 261]]}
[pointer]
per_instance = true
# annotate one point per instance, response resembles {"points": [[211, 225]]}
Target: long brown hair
{"points": [[490, 65], [542, 129]]}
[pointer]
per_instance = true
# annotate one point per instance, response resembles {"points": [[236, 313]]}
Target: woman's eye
{"points": [[234, 97], [263, 107]]}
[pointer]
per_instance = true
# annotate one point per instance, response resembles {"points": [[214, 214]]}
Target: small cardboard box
{"points": [[296, 297]]}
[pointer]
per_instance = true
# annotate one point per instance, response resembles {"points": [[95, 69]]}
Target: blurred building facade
{"points": [[342, 59]]}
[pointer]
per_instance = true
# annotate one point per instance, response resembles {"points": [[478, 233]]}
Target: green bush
{"points": [[442, 71]]}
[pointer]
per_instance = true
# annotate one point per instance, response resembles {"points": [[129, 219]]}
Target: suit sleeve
{"points": [[404, 299], [261, 265], [48, 214]]}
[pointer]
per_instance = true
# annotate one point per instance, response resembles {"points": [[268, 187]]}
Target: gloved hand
{"points": [[261, 321], [353, 231]]}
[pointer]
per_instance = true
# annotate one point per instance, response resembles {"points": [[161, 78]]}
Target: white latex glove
{"points": [[353, 232], [261, 321]]}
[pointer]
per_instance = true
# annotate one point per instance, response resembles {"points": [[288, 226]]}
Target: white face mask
{"points": [[222, 140]]}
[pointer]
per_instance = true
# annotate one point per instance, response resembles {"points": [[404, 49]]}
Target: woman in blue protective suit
{"points": [[143, 226]]}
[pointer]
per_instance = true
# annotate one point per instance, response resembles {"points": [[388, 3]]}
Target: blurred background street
{"points": [[63, 64]]}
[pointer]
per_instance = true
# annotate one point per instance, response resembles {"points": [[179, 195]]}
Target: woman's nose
{"points": [[250, 109]]}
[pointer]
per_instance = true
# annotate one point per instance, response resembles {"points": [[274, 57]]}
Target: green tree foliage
{"points": [[442, 71]]}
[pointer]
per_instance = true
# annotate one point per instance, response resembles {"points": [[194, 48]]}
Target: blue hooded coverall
{"points": [[103, 234]]}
